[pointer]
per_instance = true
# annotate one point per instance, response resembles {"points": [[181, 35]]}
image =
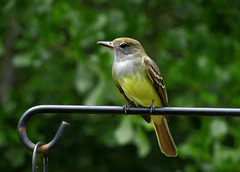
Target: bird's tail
{"points": [[164, 136]]}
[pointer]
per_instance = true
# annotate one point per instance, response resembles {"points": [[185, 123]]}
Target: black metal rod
{"points": [[34, 157], [182, 111], [69, 109], [45, 162]]}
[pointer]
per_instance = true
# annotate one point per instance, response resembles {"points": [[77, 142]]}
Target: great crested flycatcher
{"points": [[139, 80]]}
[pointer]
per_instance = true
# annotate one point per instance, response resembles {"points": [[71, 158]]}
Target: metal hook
{"points": [[34, 158], [22, 133]]}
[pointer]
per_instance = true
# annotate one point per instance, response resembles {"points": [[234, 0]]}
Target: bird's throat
{"points": [[123, 68]]}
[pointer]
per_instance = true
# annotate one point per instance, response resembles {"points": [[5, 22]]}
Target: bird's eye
{"points": [[123, 45]]}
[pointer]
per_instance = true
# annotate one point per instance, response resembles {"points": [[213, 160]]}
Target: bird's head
{"points": [[124, 47]]}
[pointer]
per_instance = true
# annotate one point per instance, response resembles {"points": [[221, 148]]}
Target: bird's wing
{"points": [[156, 77], [147, 118], [164, 136]]}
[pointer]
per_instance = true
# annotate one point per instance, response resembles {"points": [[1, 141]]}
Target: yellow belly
{"points": [[139, 89]]}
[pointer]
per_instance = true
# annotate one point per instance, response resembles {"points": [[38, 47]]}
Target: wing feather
{"points": [[156, 77]]}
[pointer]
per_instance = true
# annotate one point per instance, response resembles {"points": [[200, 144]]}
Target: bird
{"points": [[140, 81]]}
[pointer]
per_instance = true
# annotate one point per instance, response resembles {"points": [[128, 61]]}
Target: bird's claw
{"points": [[126, 107], [151, 107]]}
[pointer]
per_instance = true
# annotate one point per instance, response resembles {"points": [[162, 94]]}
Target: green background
{"points": [[49, 55]]}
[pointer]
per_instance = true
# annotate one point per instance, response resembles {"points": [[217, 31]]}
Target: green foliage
{"points": [[49, 55]]}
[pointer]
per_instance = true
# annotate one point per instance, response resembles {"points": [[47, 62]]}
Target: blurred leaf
{"points": [[96, 95], [177, 38], [124, 133], [83, 79], [219, 128], [23, 60], [16, 157], [142, 143], [209, 98]]}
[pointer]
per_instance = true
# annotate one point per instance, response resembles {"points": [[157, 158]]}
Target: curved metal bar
{"points": [[182, 111], [22, 131]]}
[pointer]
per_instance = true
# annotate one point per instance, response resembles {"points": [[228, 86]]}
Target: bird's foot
{"points": [[151, 107], [127, 106]]}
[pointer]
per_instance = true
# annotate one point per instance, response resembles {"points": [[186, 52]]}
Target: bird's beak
{"points": [[106, 43]]}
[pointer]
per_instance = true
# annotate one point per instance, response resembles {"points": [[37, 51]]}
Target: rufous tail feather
{"points": [[165, 139]]}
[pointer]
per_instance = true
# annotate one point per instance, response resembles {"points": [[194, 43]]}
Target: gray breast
{"points": [[127, 67]]}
